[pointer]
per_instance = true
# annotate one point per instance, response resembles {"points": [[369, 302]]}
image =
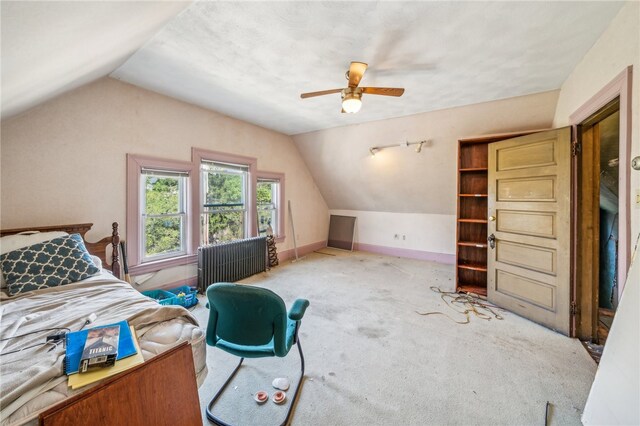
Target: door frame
{"points": [[619, 87]]}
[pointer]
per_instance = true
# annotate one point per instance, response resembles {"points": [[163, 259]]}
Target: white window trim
{"points": [[135, 164], [243, 171], [281, 203], [197, 156], [182, 201]]}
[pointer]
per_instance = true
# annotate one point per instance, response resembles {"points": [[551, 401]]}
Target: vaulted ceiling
{"points": [[49, 48], [251, 60]]}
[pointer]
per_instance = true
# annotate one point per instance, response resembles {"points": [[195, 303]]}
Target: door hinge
{"points": [[573, 308], [576, 148]]}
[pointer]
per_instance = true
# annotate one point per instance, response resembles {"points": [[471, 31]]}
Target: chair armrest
{"points": [[297, 309]]}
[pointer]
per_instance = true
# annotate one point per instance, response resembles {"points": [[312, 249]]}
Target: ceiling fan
{"points": [[352, 95]]}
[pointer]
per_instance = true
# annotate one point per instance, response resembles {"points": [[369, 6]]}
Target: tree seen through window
{"points": [[163, 214], [224, 208]]}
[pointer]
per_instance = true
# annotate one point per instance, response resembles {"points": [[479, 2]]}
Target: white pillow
{"points": [[25, 239], [97, 261]]}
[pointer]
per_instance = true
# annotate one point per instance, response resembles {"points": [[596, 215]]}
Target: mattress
{"points": [[33, 380]]}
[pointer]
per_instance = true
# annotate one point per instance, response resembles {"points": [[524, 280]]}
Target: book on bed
{"points": [[100, 348], [75, 343], [79, 380]]}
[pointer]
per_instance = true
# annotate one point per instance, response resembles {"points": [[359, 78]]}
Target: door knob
{"points": [[492, 241], [492, 218]]}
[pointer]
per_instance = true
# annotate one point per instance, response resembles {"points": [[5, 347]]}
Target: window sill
{"points": [[145, 268]]}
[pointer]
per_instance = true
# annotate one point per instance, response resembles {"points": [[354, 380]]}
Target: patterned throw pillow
{"points": [[48, 264]]}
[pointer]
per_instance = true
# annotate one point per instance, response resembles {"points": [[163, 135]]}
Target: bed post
{"points": [[115, 243]]}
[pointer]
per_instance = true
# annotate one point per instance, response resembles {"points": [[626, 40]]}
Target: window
{"points": [[224, 190], [270, 203], [163, 214], [171, 209], [159, 220], [267, 197]]}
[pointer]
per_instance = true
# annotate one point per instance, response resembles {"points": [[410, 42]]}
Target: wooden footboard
{"points": [[161, 391], [99, 248]]}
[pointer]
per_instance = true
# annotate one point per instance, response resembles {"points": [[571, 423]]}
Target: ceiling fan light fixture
{"points": [[352, 95], [351, 102]]}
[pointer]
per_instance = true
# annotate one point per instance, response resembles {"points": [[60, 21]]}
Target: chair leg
{"points": [[210, 415], [295, 394], [220, 422]]}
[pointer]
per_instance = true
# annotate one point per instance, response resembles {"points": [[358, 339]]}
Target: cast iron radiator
{"points": [[232, 261]]}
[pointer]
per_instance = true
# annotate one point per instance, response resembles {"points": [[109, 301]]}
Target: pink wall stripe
{"points": [[304, 250], [408, 253], [370, 248]]}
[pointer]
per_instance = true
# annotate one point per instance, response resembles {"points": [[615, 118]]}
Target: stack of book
{"points": [[100, 352]]}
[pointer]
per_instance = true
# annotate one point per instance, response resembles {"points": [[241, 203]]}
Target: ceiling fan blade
{"points": [[356, 71], [385, 91], [323, 92]]}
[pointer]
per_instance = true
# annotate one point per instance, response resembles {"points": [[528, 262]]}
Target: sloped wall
{"points": [[616, 49], [614, 396], [405, 200], [65, 161]]}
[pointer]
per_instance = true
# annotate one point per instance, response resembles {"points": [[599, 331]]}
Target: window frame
{"points": [[204, 210], [199, 155], [183, 187], [135, 256], [280, 202]]}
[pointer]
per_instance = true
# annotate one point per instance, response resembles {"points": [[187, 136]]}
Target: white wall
{"points": [[615, 393], [617, 48], [430, 233], [399, 190], [65, 161]]}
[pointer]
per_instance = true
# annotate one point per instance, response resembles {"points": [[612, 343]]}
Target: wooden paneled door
{"points": [[529, 234]]}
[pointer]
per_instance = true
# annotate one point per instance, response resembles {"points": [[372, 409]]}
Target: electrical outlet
{"points": [[395, 237], [404, 237]]}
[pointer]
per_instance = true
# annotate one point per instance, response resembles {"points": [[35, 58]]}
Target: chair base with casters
{"points": [[239, 316]]}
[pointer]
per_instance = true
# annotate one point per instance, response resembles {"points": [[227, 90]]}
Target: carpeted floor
{"points": [[371, 360]]}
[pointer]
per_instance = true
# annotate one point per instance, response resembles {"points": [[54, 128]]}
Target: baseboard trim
{"points": [[408, 253], [304, 250]]}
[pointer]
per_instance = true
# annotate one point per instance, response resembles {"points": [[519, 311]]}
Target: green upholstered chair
{"points": [[252, 322]]}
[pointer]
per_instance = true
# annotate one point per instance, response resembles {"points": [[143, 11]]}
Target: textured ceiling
{"points": [[51, 47], [251, 60]]}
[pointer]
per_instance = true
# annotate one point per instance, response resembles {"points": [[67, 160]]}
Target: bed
{"points": [[33, 378]]}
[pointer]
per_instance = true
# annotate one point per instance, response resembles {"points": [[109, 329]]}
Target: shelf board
{"points": [[470, 288], [473, 169], [472, 244], [473, 266], [472, 220], [473, 195]]}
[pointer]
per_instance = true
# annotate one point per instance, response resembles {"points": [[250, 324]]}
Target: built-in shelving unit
{"points": [[471, 250], [472, 218]]}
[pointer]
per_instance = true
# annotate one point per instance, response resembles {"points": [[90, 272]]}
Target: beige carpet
{"points": [[371, 360]]}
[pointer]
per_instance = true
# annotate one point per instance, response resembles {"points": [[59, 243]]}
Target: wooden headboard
{"points": [[99, 248]]}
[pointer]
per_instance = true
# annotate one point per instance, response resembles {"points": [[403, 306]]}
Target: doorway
{"points": [[598, 225]]}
